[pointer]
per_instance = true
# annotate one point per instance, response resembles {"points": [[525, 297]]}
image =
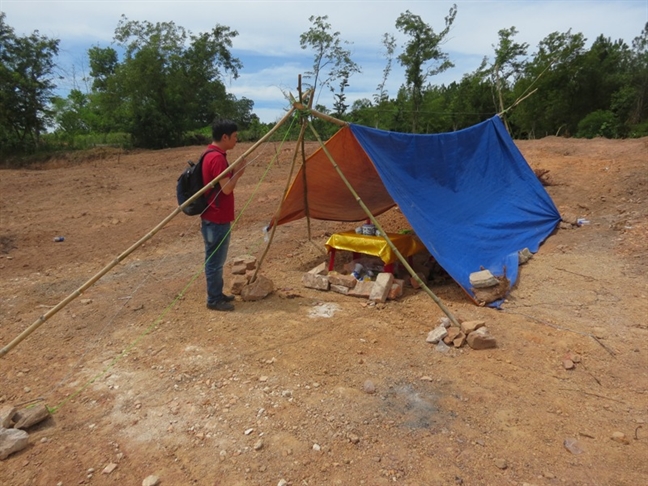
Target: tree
{"points": [[168, 83], [506, 67], [553, 72], [331, 61], [26, 88], [639, 83], [424, 46], [389, 43]]}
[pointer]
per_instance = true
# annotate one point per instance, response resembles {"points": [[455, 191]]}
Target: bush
{"points": [[600, 123]]}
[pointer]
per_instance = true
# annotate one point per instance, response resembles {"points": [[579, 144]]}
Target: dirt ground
{"points": [[142, 376]]}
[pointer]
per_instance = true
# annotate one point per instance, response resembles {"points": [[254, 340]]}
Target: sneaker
{"points": [[228, 298], [221, 306]]}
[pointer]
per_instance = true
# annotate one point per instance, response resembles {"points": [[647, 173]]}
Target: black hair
{"points": [[222, 127]]}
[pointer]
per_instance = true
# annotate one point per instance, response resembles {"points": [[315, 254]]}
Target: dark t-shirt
{"points": [[222, 210]]}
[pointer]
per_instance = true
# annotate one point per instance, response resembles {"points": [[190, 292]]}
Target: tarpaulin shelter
{"points": [[469, 195]]}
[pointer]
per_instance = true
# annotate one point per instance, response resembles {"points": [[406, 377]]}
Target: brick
{"points": [[348, 281], [320, 269], [381, 287], [483, 279], [362, 289], [340, 289], [313, 281]]}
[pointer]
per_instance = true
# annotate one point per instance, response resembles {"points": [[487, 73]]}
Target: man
{"points": [[217, 218]]}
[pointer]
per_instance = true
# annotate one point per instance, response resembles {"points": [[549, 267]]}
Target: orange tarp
{"points": [[326, 195]]}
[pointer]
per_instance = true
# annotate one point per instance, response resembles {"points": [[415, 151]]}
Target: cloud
{"points": [[269, 31]]}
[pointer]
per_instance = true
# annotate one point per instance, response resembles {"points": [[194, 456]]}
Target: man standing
{"points": [[217, 218]]}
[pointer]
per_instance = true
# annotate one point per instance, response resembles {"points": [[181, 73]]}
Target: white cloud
{"points": [[269, 30]]}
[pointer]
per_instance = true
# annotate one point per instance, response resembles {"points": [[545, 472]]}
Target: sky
{"points": [[268, 34]]}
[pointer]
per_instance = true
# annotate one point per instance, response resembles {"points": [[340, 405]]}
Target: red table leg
{"points": [[331, 265]]}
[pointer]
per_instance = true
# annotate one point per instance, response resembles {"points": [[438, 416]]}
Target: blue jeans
{"points": [[216, 237]]}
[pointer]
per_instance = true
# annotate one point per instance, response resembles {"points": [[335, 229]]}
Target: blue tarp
{"points": [[469, 195]]}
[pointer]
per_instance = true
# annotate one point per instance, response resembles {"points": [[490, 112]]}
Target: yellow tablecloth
{"points": [[406, 244]]}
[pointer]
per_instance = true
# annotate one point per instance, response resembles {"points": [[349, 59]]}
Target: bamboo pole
{"points": [[278, 212], [402, 259], [42, 319]]}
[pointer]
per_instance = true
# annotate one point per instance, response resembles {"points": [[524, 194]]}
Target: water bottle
{"points": [[59, 239]]}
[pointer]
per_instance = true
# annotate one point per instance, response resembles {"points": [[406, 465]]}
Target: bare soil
{"points": [[141, 375]]}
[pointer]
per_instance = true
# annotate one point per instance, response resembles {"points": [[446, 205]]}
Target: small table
{"points": [[407, 244]]}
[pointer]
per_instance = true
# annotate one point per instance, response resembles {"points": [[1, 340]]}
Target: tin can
{"points": [[59, 238]]}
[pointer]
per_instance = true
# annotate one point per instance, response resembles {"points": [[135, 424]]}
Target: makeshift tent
{"points": [[469, 195]]}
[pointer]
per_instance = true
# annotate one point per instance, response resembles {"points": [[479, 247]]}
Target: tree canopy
{"points": [[157, 83]]}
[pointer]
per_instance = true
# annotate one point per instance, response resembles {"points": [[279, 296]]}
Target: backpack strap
{"points": [[208, 193]]}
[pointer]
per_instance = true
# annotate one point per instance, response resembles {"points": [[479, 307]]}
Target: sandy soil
{"points": [[141, 375]]}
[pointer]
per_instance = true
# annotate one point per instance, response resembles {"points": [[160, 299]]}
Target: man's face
{"points": [[230, 140]]}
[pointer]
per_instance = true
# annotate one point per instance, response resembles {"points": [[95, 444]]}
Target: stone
{"points": [[460, 340], [501, 463], [109, 468], [257, 290], [620, 437], [524, 256], [238, 282], [258, 445], [6, 416], [568, 364], [151, 481], [348, 281], [414, 283], [27, 417], [572, 446], [483, 279], [481, 339], [396, 289], [453, 332], [381, 287], [12, 440], [239, 269], [436, 334], [248, 260], [469, 326], [369, 387], [314, 281]]}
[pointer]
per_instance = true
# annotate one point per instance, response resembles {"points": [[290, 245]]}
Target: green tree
{"points": [[638, 112], [506, 68], [26, 88], [553, 72], [169, 82], [331, 61], [389, 43], [423, 46]]}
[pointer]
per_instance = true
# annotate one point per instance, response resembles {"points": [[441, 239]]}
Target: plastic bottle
{"points": [[59, 239]]}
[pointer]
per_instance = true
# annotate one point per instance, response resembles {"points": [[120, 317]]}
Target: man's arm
{"points": [[229, 183]]}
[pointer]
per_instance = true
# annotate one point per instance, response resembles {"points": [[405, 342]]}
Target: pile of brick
{"points": [[475, 333], [384, 288], [243, 269]]}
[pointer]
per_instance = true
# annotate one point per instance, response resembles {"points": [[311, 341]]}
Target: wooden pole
{"points": [[402, 259], [36, 324], [286, 189]]}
